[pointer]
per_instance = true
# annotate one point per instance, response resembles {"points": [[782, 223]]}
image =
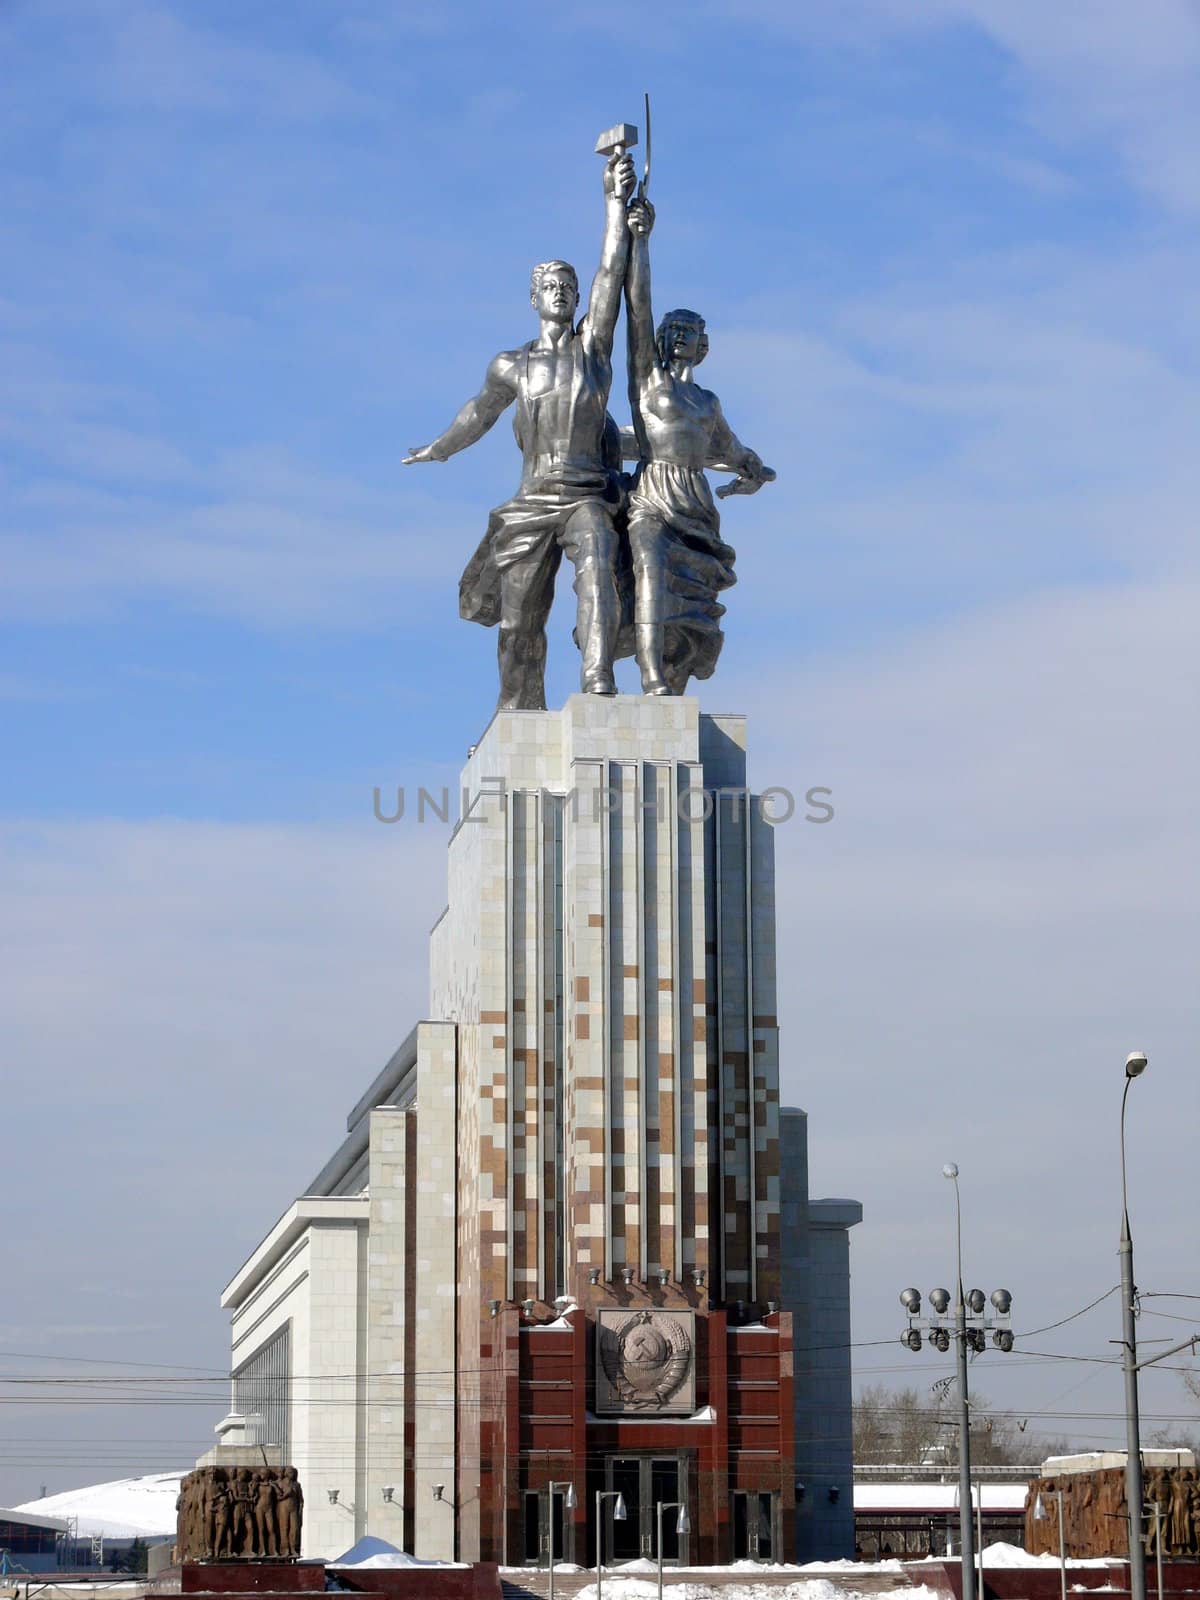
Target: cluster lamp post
{"points": [[971, 1325]]}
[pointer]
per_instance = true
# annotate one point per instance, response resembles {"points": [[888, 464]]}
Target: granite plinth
{"points": [[251, 1577], [284, 1578], [1044, 1582]]}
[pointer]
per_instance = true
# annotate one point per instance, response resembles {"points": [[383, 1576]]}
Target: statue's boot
{"points": [[650, 643], [521, 657], [597, 630]]}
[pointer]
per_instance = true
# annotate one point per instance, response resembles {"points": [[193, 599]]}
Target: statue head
{"points": [[554, 290], [681, 337]]}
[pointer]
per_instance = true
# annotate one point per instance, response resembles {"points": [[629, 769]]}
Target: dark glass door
{"points": [[623, 1541], [753, 1526], [646, 1482], [665, 1489]]}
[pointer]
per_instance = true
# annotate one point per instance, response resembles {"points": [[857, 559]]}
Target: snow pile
{"points": [[128, 1508], [372, 1552], [1011, 1555]]}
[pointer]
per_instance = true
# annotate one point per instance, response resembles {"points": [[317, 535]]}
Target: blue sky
{"points": [[947, 250]]}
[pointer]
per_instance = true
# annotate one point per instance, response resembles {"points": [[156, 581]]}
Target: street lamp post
{"points": [[970, 1327], [682, 1524], [569, 1504], [1135, 1065], [618, 1516]]}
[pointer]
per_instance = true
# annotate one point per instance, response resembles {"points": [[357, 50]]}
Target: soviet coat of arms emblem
{"points": [[646, 1361]]}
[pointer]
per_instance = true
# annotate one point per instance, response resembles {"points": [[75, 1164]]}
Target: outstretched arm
{"points": [[639, 317], [476, 417], [727, 453], [604, 303]]}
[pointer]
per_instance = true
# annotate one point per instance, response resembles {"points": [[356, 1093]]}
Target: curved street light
{"points": [[569, 1504], [1135, 1065]]}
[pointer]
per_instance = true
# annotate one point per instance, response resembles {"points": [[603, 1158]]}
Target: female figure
{"points": [[680, 563]]}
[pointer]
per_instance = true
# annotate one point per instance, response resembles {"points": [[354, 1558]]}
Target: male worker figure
{"points": [[569, 492]]}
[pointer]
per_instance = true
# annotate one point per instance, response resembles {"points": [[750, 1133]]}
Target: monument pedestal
{"points": [[604, 984], [549, 1250]]}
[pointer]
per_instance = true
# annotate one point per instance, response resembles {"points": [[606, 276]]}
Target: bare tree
{"points": [[910, 1428]]}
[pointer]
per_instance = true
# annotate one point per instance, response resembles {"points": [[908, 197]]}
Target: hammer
{"points": [[616, 140]]}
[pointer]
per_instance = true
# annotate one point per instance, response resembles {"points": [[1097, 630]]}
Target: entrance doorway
{"points": [[645, 1482], [754, 1530], [546, 1520]]}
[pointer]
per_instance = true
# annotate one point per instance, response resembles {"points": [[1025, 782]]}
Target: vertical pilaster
{"points": [[433, 1376], [587, 1095], [387, 1381]]}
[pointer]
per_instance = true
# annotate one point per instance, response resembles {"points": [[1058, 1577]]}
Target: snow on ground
{"points": [[127, 1508], [372, 1552], [645, 1588]]}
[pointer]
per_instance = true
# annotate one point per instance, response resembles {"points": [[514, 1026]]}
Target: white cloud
{"points": [[1003, 906], [1097, 69]]}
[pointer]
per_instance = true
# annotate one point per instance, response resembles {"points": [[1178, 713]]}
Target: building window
{"points": [[262, 1390]]}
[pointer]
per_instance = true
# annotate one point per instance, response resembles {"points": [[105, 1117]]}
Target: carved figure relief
{"points": [[1094, 1513], [239, 1514], [646, 1361]]}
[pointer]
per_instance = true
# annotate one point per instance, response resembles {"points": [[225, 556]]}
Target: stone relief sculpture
{"points": [[645, 1361], [648, 558], [1094, 1513], [239, 1514]]}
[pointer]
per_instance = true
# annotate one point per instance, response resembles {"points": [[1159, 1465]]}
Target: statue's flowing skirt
{"points": [[674, 521]]}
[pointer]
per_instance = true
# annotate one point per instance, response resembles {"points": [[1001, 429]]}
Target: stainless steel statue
{"points": [[572, 497], [680, 563], [569, 494]]}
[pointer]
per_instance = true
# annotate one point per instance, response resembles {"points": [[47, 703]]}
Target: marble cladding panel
{"points": [[626, 1030], [765, 1059], [586, 848], [668, 1129], [444, 1279], [333, 1448], [386, 1325], [692, 1249]]}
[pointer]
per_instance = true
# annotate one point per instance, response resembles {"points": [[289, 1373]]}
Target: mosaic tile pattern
{"points": [[608, 959]]}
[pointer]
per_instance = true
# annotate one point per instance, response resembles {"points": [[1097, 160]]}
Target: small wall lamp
{"points": [[389, 1492], [593, 1275], [439, 1491], [333, 1496], [494, 1307]]}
